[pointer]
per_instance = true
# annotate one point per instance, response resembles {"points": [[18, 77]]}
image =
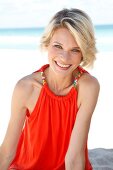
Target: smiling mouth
{"points": [[63, 66]]}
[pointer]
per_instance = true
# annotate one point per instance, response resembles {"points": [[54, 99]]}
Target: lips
{"points": [[64, 66]]}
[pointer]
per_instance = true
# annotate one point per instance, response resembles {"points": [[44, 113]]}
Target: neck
{"points": [[57, 83]]}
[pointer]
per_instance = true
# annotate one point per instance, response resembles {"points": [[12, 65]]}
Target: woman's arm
{"points": [[18, 113], [88, 90]]}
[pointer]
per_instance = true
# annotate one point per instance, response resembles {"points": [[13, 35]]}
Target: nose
{"points": [[64, 55]]}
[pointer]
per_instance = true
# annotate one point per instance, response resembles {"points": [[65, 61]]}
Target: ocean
{"points": [[28, 38]]}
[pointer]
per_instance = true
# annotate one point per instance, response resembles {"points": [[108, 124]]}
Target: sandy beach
{"points": [[14, 64]]}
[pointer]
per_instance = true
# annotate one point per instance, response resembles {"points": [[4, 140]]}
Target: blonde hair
{"points": [[80, 26]]}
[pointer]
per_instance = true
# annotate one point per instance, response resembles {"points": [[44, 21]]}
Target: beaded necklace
{"points": [[43, 77], [79, 73]]}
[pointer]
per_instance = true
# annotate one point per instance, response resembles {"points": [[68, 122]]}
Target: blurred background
{"points": [[22, 22]]}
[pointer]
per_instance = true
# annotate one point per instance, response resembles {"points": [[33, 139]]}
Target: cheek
{"points": [[52, 53], [77, 60], [80, 57]]}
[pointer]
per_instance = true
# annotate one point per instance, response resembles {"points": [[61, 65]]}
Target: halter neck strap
{"points": [[80, 72]]}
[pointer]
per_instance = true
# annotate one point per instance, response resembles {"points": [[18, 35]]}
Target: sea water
{"points": [[104, 38], [29, 38]]}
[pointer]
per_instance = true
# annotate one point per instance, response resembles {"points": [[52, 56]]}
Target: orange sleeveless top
{"points": [[46, 134]]}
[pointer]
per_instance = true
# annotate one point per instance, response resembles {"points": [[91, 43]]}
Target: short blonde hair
{"points": [[80, 26]]}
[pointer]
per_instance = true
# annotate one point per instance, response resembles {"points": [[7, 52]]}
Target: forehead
{"points": [[63, 35]]}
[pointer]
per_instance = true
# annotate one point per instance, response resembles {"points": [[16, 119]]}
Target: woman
{"points": [[52, 107]]}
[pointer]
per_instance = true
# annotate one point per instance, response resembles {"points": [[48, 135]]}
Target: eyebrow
{"points": [[62, 44]]}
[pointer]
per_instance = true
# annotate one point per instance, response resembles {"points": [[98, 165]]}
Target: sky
{"points": [[37, 13]]}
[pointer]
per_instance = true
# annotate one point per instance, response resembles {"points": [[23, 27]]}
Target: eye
{"points": [[57, 46], [75, 50]]}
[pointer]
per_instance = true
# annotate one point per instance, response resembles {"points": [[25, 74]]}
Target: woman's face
{"points": [[63, 52]]}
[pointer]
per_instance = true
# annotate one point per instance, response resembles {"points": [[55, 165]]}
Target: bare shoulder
{"points": [[88, 89], [89, 82], [29, 82], [26, 86]]}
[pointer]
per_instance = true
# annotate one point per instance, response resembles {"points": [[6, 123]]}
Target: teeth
{"points": [[63, 65]]}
